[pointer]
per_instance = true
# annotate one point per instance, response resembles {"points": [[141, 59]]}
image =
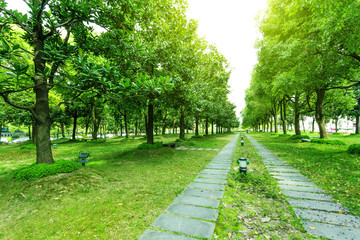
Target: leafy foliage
{"points": [[36, 171]]}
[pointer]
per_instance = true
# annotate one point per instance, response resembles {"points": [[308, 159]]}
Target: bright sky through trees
{"points": [[231, 25]]}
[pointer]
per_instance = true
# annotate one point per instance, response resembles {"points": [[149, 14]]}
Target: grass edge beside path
{"points": [[253, 206]]}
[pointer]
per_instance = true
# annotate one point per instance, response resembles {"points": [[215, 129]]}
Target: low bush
{"points": [[354, 149], [96, 141], [327, 141], [274, 134], [197, 136], [284, 135], [36, 171], [28, 147], [337, 133], [150, 146], [179, 140], [299, 137]]}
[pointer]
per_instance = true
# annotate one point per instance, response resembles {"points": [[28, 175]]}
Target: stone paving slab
{"points": [[200, 149], [155, 235], [193, 211], [203, 193], [297, 183], [198, 201], [328, 217], [207, 186], [307, 195], [213, 171], [290, 178], [287, 174], [331, 231], [206, 180], [213, 176], [273, 169], [217, 167], [317, 205], [302, 189], [185, 225]]}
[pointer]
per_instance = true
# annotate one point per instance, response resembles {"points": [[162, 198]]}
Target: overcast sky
{"points": [[231, 26]]}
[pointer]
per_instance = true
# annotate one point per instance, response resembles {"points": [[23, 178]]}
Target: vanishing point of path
{"points": [[195, 211], [319, 214]]}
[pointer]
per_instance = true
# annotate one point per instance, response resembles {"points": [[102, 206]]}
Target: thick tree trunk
{"points": [[275, 123], [271, 124], [42, 123], [182, 123], [74, 127], [319, 114], [196, 125], [150, 127]]}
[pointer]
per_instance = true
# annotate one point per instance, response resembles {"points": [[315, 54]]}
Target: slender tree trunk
{"points": [[207, 126], [196, 125], [163, 131], [150, 128], [86, 127], [319, 113], [62, 127], [182, 123], [212, 127], [74, 126], [336, 124], [30, 134], [136, 127], [357, 127], [121, 128], [126, 124]]}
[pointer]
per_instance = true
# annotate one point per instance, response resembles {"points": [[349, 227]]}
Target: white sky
{"points": [[231, 26]]}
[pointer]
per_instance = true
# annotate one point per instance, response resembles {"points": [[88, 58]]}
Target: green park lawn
{"points": [[119, 193], [328, 166]]}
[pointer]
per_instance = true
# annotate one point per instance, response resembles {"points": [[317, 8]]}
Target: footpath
{"points": [[195, 211], [319, 214]]}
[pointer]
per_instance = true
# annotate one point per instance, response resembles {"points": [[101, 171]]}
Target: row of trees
{"points": [[146, 64], [308, 65]]}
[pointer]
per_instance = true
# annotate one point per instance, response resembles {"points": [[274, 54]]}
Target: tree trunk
{"points": [[212, 127], [313, 125], [42, 122], [96, 123], [357, 127], [336, 124], [284, 118], [121, 128], [182, 123], [30, 134], [163, 131], [150, 127], [196, 125], [62, 126], [74, 126], [126, 125], [136, 127], [207, 126], [297, 116], [319, 114]]}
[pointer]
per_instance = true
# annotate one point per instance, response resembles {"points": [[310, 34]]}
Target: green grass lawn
{"points": [[119, 193], [328, 166]]}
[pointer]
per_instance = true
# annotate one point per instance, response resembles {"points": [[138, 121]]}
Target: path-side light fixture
{"points": [[243, 162], [242, 142], [54, 146], [83, 157]]}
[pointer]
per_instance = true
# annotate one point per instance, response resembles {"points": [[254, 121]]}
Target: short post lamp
{"points": [[54, 146], [83, 157], [243, 162], [242, 142]]}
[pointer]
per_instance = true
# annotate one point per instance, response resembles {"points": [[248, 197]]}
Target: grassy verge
{"points": [[253, 206], [328, 166], [117, 195]]}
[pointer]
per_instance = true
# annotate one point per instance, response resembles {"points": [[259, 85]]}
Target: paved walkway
{"points": [[195, 211], [320, 215]]}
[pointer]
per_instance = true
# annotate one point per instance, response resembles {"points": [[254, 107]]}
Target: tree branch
{"points": [[17, 21], [8, 101]]}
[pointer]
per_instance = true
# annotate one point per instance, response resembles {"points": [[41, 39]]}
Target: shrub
{"points": [[299, 137], [179, 140], [150, 146], [97, 141], [327, 141], [197, 136], [354, 149], [28, 147], [284, 135], [274, 134], [36, 171], [337, 133]]}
